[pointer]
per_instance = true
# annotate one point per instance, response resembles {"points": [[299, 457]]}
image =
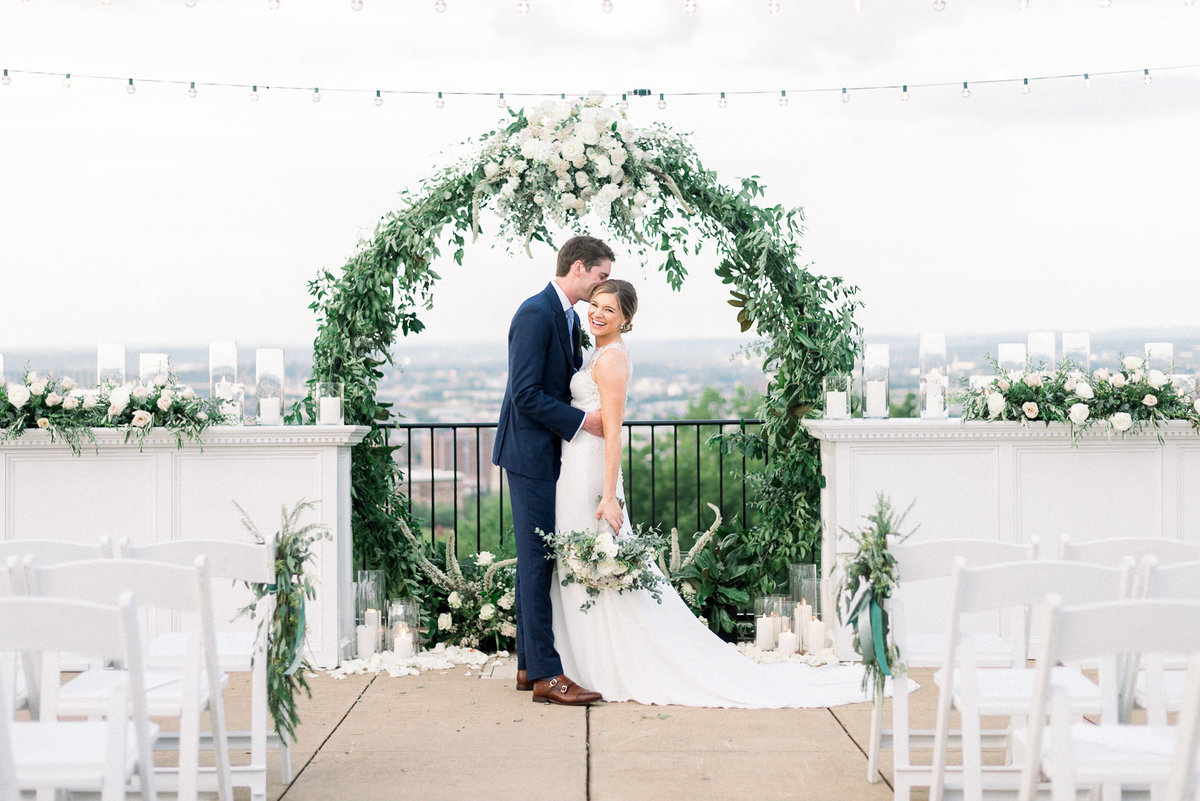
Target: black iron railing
{"points": [[671, 473]]}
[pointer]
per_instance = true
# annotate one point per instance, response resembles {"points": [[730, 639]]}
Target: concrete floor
{"points": [[448, 736]]}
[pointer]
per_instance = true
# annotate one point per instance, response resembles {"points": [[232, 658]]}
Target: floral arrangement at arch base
{"points": [[481, 596], [868, 579], [1123, 399]]}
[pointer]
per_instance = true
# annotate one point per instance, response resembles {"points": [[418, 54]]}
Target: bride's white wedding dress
{"points": [[629, 647]]}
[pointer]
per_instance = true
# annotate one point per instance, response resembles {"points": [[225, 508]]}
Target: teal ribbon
{"points": [[866, 616], [877, 630]]}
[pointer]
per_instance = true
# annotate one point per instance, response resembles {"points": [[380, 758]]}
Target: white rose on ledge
{"points": [[1196, 405], [71, 403], [995, 404], [1078, 413], [1150, 400], [1101, 374], [1033, 379], [69, 384], [1084, 390], [37, 388], [89, 401], [445, 622], [1121, 421], [455, 600], [18, 395], [1117, 380], [1031, 409], [141, 392], [43, 422], [188, 393], [53, 399], [1157, 379], [484, 558], [1131, 362], [164, 400], [487, 612], [142, 418]]}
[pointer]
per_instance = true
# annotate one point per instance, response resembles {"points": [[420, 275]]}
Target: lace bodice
{"points": [[585, 394]]}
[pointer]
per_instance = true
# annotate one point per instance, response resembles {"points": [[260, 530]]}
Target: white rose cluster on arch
{"points": [[562, 160]]}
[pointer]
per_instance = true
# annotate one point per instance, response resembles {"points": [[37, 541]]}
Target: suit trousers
{"points": [[533, 508]]}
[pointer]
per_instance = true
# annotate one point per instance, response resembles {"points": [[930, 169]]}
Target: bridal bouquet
{"points": [[599, 561]]}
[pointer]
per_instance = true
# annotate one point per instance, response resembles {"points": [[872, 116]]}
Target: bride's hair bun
{"points": [[626, 298]]}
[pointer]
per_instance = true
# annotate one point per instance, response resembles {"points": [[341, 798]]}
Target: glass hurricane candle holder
{"points": [[1077, 349], [797, 575], [368, 611], [404, 625], [268, 375], [1040, 350], [110, 363], [935, 380], [151, 366], [875, 403], [768, 621], [222, 369], [1011, 356], [328, 399], [837, 396], [1160, 356], [233, 403]]}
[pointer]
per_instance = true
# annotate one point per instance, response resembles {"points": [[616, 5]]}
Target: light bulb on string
{"points": [[689, 6], [378, 98], [1025, 87], [904, 92], [772, 6], [356, 4], [1189, 2], [783, 101], [6, 80], [662, 102], [131, 89], [845, 95], [192, 89], [439, 102], [1087, 81], [439, 6], [190, 3], [722, 103], [624, 104], [966, 90], [522, 6], [316, 97], [273, 5], [106, 3], [1146, 79], [501, 102], [254, 94], [856, 6], [1106, 3], [606, 6], [1023, 5], [939, 5], [67, 81]]}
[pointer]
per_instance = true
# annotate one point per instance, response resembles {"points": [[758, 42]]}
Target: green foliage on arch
{"points": [[583, 167]]}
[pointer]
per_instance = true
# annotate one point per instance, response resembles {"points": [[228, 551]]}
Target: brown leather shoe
{"points": [[523, 682], [561, 690]]}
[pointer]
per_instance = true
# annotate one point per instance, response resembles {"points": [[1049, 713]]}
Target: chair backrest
{"points": [[1182, 783], [242, 561], [1175, 582], [1111, 551], [9, 791], [49, 552]]}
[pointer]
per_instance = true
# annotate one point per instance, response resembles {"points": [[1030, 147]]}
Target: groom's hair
{"points": [[587, 249]]}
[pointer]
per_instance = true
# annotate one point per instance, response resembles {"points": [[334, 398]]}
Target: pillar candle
{"points": [[764, 638], [270, 411], [789, 643], [835, 406], [331, 412], [402, 641], [876, 399], [365, 639], [815, 640], [803, 613]]}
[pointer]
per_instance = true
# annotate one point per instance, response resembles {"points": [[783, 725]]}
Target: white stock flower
{"points": [[995, 404], [1031, 409], [53, 399], [1084, 390], [69, 384], [70, 403], [454, 599], [508, 629], [506, 601], [1121, 421], [487, 612], [1117, 380], [1157, 379], [89, 401], [37, 388], [1078, 413], [1150, 400], [43, 422], [1131, 362], [445, 622]]}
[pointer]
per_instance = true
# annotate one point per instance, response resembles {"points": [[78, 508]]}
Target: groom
{"points": [[535, 417]]}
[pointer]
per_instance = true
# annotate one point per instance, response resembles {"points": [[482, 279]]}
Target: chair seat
{"points": [[88, 693], [1121, 753], [927, 650], [49, 752], [235, 650], [1009, 691]]}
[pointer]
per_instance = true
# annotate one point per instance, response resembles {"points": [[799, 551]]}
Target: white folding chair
{"points": [[50, 552], [1182, 783], [98, 756], [1111, 551], [184, 692], [16, 667], [1008, 691], [923, 566], [238, 651], [1073, 754], [1175, 582]]}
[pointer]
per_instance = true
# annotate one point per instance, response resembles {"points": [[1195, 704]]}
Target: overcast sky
{"points": [[160, 218]]}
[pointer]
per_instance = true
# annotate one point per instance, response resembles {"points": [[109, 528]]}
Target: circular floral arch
{"points": [[583, 167]]}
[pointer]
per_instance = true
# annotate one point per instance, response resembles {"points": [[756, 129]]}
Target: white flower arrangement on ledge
{"points": [[68, 412], [600, 561], [1123, 399]]}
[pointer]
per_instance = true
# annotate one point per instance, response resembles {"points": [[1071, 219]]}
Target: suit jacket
{"points": [[536, 415]]}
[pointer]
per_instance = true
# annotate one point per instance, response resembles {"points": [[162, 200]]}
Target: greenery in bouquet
{"points": [[598, 560], [1121, 399], [69, 413], [469, 602], [868, 578]]}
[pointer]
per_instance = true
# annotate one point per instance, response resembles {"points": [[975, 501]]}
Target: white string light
{"points": [[689, 6], [356, 4], [273, 5], [131, 89], [6, 80], [439, 6], [501, 102], [522, 6], [856, 6], [1106, 3], [606, 6], [254, 94], [1087, 81], [192, 89], [378, 98], [1025, 87], [66, 81], [783, 101], [966, 92], [623, 105], [190, 3], [939, 5], [1146, 79], [439, 103], [845, 95], [662, 101], [1023, 5], [772, 6], [722, 103], [904, 92]]}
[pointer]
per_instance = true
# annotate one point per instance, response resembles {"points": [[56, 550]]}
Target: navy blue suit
{"points": [[535, 418]]}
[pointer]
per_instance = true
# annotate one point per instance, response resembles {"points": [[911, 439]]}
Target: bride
{"points": [[628, 646]]}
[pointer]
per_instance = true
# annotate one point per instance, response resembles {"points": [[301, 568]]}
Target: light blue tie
{"points": [[571, 325]]}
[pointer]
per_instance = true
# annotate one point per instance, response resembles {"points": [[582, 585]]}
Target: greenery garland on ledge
{"points": [[583, 167]]}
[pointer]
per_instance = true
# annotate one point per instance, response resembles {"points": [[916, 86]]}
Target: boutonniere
{"points": [[585, 342]]}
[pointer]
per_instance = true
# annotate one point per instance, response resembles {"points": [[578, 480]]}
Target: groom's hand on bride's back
{"points": [[593, 423]]}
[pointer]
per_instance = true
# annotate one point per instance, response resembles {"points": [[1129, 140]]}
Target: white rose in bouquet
{"points": [[69, 384], [455, 600], [490, 169], [484, 558], [1078, 413], [995, 404], [617, 156], [1157, 379], [1084, 390], [1150, 400], [1121, 421], [616, 175], [1137, 376], [1117, 380], [70, 403], [89, 401], [609, 192], [161, 380], [607, 567], [1031, 409], [1033, 379], [1131, 362], [1196, 405], [587, 133], [53, 399], [582, 179], [572, 149], [487, 612], [445, 622], [1069, 384], [602, 164], [141, 392], [579, 162], [37, 388], [188, 393], [1101, 374], [142, 418], [118, 399], [164, 400], [43, 422]]}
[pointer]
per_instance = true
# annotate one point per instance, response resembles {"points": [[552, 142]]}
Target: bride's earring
{"points": [[626, 328]]}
